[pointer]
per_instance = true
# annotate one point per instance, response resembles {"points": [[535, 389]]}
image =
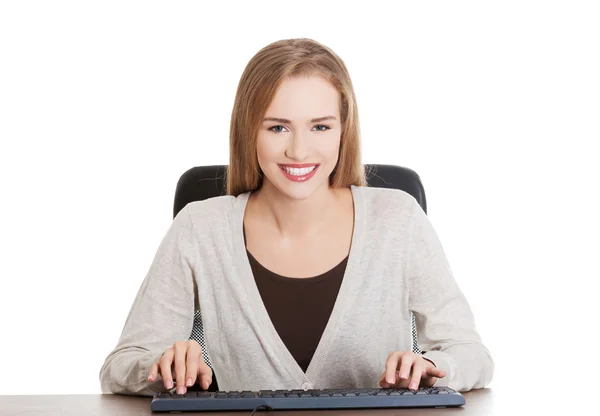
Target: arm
{"points": [[445, 323], [162, 313]]}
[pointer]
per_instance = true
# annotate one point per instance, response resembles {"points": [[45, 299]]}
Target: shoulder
{"points": [[385, 202], [212, 210]]}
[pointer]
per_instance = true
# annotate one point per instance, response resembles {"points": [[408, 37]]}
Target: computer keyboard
{"points": [[198, 401]]}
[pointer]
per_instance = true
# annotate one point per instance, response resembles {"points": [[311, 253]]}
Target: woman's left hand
{"points": [[405, 369]]}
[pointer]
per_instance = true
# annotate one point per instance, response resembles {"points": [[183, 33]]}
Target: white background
{"points": [[103, 105]]}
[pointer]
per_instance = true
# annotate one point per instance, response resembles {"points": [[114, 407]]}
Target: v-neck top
{"points": [[396, 265], [298, 308]]}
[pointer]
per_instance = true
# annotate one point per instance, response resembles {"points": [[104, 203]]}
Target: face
{"points": [[298, 151]]}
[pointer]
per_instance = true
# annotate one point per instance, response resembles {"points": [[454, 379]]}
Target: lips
{"points": [[299, 173]]}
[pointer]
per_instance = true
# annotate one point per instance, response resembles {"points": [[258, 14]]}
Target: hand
{"points": [[185, 358], [398, 372]]}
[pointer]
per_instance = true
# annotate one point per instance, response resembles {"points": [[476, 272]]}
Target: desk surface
{"points": [[479, 402]]}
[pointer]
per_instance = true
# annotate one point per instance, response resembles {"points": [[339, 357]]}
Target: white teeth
{"points": [[299, 171]]}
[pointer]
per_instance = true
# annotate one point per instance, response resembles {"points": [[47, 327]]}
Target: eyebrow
{"points": [[283, 120]]}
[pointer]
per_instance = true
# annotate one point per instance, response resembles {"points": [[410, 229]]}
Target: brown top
{"points": [[299, 307]]}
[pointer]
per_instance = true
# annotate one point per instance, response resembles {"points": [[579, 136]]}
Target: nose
{"points": [[297, 148]]}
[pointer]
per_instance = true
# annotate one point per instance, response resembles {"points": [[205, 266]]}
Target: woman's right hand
{"points": [[184, 363]]}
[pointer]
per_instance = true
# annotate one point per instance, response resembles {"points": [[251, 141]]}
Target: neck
{"points": [[297, 218]]}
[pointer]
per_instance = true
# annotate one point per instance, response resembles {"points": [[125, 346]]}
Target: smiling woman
{"points": [[306, 85], [304, 277], [301, 149]]}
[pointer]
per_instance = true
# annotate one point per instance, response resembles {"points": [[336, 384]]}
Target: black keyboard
{"points": [[198, 401]]}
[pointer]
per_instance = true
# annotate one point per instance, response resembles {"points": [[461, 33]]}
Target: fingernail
{"points": [[170, 384], [180, 390], [389, 380], [413, 386], [404, 376], [189, 382], [150, 377]]}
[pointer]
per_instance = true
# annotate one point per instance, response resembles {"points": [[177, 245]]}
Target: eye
{"points": [[275, 131], [322, 125]]}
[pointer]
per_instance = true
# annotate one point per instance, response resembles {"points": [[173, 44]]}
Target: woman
{"points": [[304, 276]]}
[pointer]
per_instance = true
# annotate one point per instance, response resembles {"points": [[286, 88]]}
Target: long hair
{"points": [[256, 89]]}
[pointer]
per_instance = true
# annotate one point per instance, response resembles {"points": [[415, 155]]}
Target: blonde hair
{"points": [[256, 89]]}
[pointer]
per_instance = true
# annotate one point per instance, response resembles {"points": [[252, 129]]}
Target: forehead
{"points": [[305, 97]]}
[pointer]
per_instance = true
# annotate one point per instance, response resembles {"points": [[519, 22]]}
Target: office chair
{"points": [[203, 182]]}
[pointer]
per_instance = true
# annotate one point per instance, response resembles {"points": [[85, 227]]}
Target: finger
{"points": [[165, 368], [415, 380], [179, 362], [153, 373], [382, 381], [384, 384], [205, 373], [194, 350], [406, 365], [391, 365], [435, 372]]}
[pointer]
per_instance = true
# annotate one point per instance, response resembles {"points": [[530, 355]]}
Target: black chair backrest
{"points": [[203, 182]]}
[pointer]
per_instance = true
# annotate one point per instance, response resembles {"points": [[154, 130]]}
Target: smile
{"points": [[300, 173]]}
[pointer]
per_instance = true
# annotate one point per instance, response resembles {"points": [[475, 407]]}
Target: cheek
{"points": [[266, 151], [259, 151], [332, 150]]}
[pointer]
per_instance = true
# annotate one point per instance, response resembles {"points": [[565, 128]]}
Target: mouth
{"points": [[298, 170], [299, 173]]}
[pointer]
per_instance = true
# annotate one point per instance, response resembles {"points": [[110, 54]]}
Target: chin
{"points": [[296, 192]]}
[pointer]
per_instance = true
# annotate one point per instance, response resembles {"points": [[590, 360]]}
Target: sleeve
{"points": [[445, 323], [162, 313]]}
